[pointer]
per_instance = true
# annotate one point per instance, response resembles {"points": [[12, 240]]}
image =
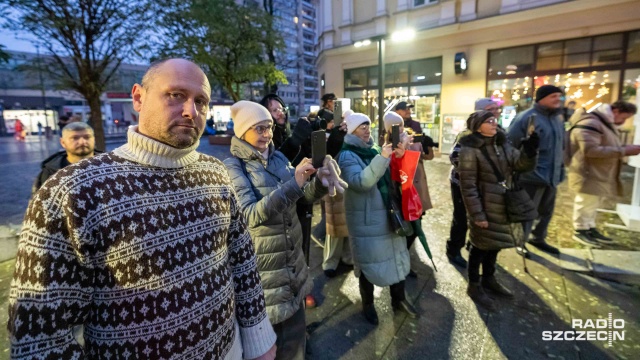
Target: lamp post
{"points": [[44, 96], [397, 36]]}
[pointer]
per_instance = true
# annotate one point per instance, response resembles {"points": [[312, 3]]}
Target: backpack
{"points": [[568, 152]]}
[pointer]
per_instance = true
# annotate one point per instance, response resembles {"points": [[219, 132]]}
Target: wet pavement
{"points": [[450, 325]]}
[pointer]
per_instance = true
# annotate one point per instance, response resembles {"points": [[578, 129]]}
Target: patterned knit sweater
{"points": [[146, 247]]}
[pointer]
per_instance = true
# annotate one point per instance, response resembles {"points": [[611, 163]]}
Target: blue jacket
{"points": [[550, 127]]}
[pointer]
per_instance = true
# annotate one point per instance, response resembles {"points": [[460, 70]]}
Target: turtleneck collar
{"points": [[144, 150]]}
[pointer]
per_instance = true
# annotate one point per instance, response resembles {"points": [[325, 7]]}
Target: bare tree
{"points": [[87, 40]]}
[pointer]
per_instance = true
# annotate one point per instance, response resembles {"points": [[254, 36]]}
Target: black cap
{"points": [[546, 90], [403, 105], [329, 96]]}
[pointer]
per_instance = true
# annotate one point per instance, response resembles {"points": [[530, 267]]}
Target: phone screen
{"points": [[395, 136], [318, 148], [531, 125]]}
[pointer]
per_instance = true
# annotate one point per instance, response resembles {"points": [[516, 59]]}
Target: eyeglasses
{"points": [[491, 121], [279, 109], [260, 129]]}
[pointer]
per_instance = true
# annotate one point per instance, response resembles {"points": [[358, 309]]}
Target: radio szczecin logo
{"points": [[608, 330]]}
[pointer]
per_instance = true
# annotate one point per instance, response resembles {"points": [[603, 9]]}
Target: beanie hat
{"points": [[483, 103], [391, 118], [245, 114], [546, 90], [347, 113], [476, 119], [354, 120]]}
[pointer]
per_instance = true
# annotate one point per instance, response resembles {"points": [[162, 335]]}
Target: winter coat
{"points": [[550, 127], [335, 216], [420, 179], [483, 196], [597, 154], [377, 252], [267, 194], [50, 166]]}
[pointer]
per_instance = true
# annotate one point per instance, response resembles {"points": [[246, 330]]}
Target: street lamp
{"points": [[396, 36]]}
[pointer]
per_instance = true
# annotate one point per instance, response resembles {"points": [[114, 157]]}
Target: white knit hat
{"points": [[245, 114], [347, 113], [391, 118], [354, 120]]}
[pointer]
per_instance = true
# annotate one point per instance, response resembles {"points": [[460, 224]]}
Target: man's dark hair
{"points": [[624, 107]]}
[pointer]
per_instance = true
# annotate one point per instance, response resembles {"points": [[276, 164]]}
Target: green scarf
{"points": [[367, 154]]}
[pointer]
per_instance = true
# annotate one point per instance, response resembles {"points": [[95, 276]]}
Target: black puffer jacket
{"points": [[482, 194]]}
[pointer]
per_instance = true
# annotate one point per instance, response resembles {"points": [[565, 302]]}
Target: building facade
{"points": [[466, 49]]}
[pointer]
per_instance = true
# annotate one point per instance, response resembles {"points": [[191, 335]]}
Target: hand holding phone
{"points": [[531, 125]]}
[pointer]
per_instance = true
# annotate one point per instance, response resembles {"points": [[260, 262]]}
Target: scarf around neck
{"points": [[367, 153]]}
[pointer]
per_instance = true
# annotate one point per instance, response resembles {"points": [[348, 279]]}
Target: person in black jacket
{"points": [[78, 143], [284, 140]]}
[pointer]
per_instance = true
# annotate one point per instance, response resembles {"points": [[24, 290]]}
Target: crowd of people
{"points": [[155, 250]]}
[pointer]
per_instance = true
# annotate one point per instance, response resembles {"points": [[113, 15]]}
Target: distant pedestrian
{"points": [[596, 161], [39, 128], [19, 130], [403, 109], [78, 142], [542, 183]]}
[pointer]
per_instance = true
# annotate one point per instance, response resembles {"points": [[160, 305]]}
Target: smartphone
{"points": [[531, 125], [318, 148], [395, 136], [337, 112]]}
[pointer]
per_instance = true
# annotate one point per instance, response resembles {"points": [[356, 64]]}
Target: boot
{"points": [[542, 245], [492, 284], [405, 307], [369, 312], [477, 294]]}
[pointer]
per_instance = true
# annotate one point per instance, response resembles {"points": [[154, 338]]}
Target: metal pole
{"points": [[44, 98], [381, 79]]}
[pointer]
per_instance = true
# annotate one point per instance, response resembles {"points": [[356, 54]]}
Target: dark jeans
{"points": [[544, 197], [485, 257], [458, 231], [292, 336], [366, 291], [305, 215]]}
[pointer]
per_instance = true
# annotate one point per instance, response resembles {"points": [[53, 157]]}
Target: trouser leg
{"points": [[397, 292], [545, 211], [366, 290], [347, 257], [332, 252], [584, 211], [458, 230], [305, 214], [291, 336], [476, 257], [489, 263]]}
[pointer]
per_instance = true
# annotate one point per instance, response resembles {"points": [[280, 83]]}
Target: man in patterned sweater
{"points": [[141, 253]]}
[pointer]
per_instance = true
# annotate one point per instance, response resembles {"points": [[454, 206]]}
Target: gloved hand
{"points": [[329, 176], [530, 145]]}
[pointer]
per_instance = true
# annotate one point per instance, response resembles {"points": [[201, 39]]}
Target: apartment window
{"points": [[417, 3]]}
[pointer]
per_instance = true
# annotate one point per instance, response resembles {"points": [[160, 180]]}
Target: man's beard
{"points": [[83, 151]]}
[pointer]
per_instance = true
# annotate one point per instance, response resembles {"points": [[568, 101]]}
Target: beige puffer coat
{"points": [[336, 216], [597, 154]]}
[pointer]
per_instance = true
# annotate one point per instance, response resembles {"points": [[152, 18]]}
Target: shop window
{"points": [[572, 61], [426, 70], [631, 85], [607, 42], [511, 61], [633, 47], [373, 76], [550, 56], [355, 77], [397, 73]]}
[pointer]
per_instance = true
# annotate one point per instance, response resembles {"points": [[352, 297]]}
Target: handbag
{"points": [[517, 201], [398, 224]]}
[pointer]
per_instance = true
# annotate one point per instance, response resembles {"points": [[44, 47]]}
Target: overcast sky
{"points": [[13, 42]]}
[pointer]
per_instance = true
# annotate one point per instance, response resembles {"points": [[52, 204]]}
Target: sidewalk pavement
{"points": [[451, 326]]}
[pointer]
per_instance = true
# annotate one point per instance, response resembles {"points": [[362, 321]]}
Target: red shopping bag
{"points": [[403, 170]]}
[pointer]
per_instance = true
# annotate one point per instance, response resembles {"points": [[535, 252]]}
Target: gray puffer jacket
{"points": [[482, 194], [377, 252], [267, 193]]}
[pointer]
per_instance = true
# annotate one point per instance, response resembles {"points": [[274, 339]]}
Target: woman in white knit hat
{"points": [[268, 188], [380, 256]]}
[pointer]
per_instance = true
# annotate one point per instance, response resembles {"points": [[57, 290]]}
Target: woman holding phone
{"points": [[380, 256], [268, 187]]}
